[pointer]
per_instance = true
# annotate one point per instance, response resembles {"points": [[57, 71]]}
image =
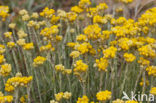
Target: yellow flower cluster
{"points": [[131, 101], [54, 19], [80, 67], [84, 99], [105, 35], [81, 38], [153, 90], [103, 95], [5, 99], [2, 49], [14, 82], [21, 42], [126, 1], [75, 54], [2, 59], [47, 32], [125, 43], [85, 48], [76, 9], [21, 34], [47, 12], [23, 99], [11, 44], [147, 51], [8, 34], [47, 47], [143, 61], [59, 67], [148, 18], [102, 64], [151, 70], [92, 31], [61, 95], [71, 16], [84, 3], [129, 57], [118, 101], [28, 46], [5, 70], [39, 60], [99, 19], [4, 10], [110, 52]]}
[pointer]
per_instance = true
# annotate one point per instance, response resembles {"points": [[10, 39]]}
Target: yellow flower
{"points": [[110, 52], [118, 101], [39, 60], [84, 99], [67, 71], [58, 38], [147, 51], [21, 42], [14, 82], [83, 48], [53, 101], [8, 34], [75, 54], [5, 70], [125, 43], [6, 99], [126, 1], [76, 9], [11, 44], [59, 96], [84, 3], [25, 17], [28, 46], [54, 19], [23, 12], [81, 37], [105, 35], [79, 66], [21, 34], [129, 57], [31, 23], [2, 49], [66, 95], [151, 70], [35, 15], [143, 61], [103, 95], [153, 90], [102, 64], [47, 13], [4, 10], [47, 47], [59, 67], [2, 59], [99, 19], [92, 31], [71, 44], [102, 6], [23, 99], [12, 25], [131, 101], [71, 16], [47, 32]]}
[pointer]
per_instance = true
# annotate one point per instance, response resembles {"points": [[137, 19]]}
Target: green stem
{"points": [[38, 87]]}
